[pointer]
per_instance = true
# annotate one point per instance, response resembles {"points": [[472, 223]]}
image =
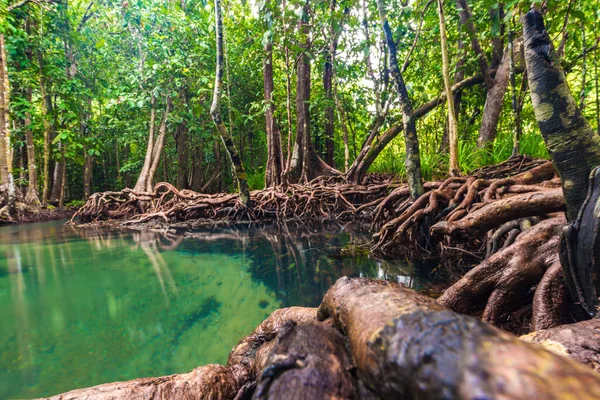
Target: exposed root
{"points": [[466, 207], [501, 287], [315, 201]]}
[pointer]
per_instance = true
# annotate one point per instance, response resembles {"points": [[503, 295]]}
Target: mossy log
{"points": [[406, 345]]}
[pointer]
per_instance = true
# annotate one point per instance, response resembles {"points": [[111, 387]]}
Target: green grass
{"points": [[434, 164]]}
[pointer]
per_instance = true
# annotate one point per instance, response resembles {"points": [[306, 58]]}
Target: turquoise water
{"points": [[81, 307]]}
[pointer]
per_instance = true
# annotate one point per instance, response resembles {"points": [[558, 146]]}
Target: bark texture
{"points": [[406, 345], [274, 168], [215, 111], [413, 158], [573, 145], [307, 361]]}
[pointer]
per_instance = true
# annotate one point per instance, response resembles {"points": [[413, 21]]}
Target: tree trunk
{"points": [[465, 21], [182, 155], [274, 169], [236, 162], [514, 102], [494, 102], [158, 147], [328, 86], [452, 122], [360, 167], [142, 181], [4, 118], [32, 188], [573, 145], [413, 161], [300, 164]]}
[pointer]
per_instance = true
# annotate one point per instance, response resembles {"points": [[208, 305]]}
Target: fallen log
{"points": [[409, 346]]}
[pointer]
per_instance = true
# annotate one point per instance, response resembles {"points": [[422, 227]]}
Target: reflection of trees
{"points": [[299, 262]]}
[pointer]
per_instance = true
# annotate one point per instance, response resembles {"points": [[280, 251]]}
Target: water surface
{"points": [[81, 307]]}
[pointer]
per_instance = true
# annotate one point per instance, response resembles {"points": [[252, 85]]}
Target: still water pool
{"points": [[80, 307]]}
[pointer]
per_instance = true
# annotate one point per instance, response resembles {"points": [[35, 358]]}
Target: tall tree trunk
{"points": [[182, 155], [32, 188], [57, 180], [215, 111], [413, 160], [46, 111], [5, 162], [158, 147], [494, 102], [142, 181], [300, 163], [572, 143], [459, 75], [514, 102], [328, 86], [452, 122], [274, 169]]}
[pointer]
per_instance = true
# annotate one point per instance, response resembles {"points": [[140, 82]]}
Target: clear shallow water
{"points": [[80, 307]]}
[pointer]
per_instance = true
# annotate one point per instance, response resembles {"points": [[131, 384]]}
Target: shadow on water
{"points": [[84, 306]]}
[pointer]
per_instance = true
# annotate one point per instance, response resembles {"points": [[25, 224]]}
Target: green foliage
{"points": [[101, 73]]}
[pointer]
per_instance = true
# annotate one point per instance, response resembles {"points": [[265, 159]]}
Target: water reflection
{"points": [[86, 306]]}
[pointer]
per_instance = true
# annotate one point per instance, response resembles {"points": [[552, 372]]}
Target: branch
{"points": [[86, 16]]}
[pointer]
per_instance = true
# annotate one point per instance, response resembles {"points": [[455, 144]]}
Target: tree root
{"points": [[580, 341], [406, 345], [500, 287], [467, 206], [314, 201]]}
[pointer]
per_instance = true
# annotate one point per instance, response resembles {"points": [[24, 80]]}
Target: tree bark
{"points": [[573, 145], [413, 161], [452, 122], [4, 118], [142, 181], [406, 345], [274, 168], [158, 147], [300, 162], [328, 86], [493, 103], [182, 156], [215, 111]]}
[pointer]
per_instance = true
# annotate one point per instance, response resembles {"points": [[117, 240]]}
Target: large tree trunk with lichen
{"points": [[572, 143], [413, 160], [215, 110]]}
